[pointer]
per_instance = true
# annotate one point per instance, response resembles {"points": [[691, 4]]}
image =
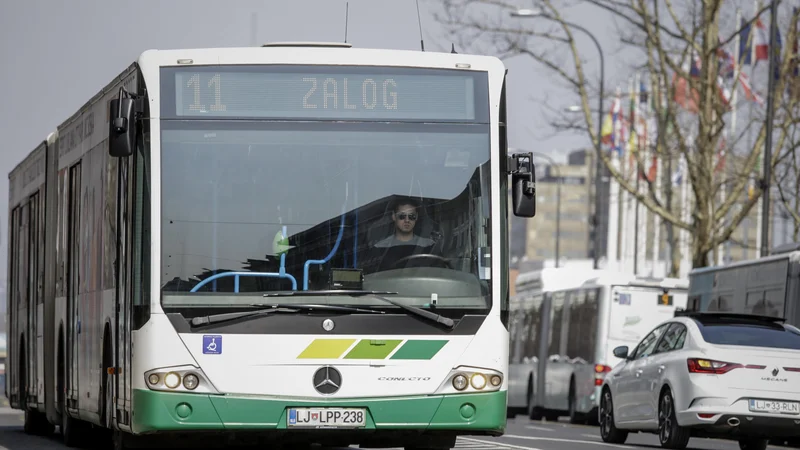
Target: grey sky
{"points": [[57, 53]]}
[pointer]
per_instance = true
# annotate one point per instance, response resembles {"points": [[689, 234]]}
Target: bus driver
{"points": [[403, 242]]}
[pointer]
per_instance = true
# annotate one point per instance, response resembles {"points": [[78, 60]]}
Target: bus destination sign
{"points": [[326, 93]]}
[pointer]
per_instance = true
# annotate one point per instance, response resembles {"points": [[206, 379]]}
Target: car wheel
{"points": [[608, 430], [670, 434], [753, 444]]}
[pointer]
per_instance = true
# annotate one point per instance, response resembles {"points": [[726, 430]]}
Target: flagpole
{"points": [[613, 197], [614, 203], [767, 161], [731, 131], [655, 89], [637, 154], [753, 28]]}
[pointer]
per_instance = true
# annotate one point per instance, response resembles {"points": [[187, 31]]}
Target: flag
{"points": [[760, 41], [609, 132], [726, 64], [751, 188], [682, 87], [792, 85]]}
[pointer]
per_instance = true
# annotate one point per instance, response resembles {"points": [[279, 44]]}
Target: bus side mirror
{"points": [[121, 127], [523, 183]]}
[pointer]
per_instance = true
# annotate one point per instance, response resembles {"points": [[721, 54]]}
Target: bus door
{"points": [[124, 288], [73, 284], [34, 285], [25, 297]]}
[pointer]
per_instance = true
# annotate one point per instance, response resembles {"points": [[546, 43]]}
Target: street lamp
{"points": [[598, 204]]}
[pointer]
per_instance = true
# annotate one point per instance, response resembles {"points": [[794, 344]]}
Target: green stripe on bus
{"points": [[373, 349], [419, 349], [326, 348]]}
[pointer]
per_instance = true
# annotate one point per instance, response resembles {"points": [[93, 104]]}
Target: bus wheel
{"points": [[121, 440], [574, 416], [36, 424], [534, 413]]}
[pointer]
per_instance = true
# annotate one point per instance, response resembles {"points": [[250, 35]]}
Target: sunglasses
{"points": [[403, 216]]}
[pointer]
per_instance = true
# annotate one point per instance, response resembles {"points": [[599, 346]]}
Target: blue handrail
{"points": [[236, 275], [327, 258]]}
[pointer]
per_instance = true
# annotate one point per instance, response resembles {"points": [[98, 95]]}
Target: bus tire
{"points": [[574, 416], [534, 413]]}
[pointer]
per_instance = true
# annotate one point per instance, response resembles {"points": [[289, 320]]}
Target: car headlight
{"points": [[179, 379], [471, 379]]}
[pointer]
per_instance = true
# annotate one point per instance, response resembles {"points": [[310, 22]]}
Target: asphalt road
{"points": [[521, 434]]}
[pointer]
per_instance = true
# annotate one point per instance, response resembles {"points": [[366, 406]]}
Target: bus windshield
{"points": [[256, 206]]}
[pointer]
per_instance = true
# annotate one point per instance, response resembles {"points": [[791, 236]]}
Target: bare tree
{"points": [[788, 182], [669, 35]]}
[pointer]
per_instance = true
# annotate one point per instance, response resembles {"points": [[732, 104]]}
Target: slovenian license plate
{"points": [[326, 417], [774, 406]]}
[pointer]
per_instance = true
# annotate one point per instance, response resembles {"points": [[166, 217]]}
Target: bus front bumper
{"points": [[482, 413]]}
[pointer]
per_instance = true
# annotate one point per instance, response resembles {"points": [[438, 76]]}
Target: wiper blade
{"points": [[354, 292], [266, 309], [224, 317], [438, 318], [319, 307]]}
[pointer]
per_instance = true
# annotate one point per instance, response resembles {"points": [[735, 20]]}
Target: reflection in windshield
{"points": [[278, 205]]}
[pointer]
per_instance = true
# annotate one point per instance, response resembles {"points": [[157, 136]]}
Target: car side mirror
{"points": [[621, 352]]}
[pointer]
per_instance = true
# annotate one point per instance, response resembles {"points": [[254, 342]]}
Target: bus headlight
{"points": [[460, 382], [179, 379], [172, 380], [471, 379], [190, 381], [478, 381]]}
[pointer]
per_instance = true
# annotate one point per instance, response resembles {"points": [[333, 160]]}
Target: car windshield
{"points": [[750, 334], [264, 205]]}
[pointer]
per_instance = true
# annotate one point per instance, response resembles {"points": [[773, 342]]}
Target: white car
{"points": [[719, 375]]}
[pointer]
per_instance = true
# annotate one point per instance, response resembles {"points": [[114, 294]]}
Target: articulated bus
{"points": [[564, 325], [768, 286], [303, 241]]}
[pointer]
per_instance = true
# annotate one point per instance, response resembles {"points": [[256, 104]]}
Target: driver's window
{"points": [[647, 345]]}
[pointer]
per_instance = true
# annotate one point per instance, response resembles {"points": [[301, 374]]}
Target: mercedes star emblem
{"points": [[327, 324], [327, 380]]}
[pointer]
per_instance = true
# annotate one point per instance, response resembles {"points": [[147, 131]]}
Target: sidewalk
{"points": [[7, 411]]}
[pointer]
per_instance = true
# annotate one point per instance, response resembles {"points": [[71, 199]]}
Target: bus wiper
{"points": [[264, 309], [224, 317], [438, 318], [353, 292]]}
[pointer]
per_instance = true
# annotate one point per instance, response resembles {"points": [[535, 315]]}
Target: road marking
{"points": [[593, 436], [493, 445], [531, 427], [574, 441]]}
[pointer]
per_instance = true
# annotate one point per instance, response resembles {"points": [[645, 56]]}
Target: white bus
{"points": [[201, 250], [769, 286], [565, 323]]}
